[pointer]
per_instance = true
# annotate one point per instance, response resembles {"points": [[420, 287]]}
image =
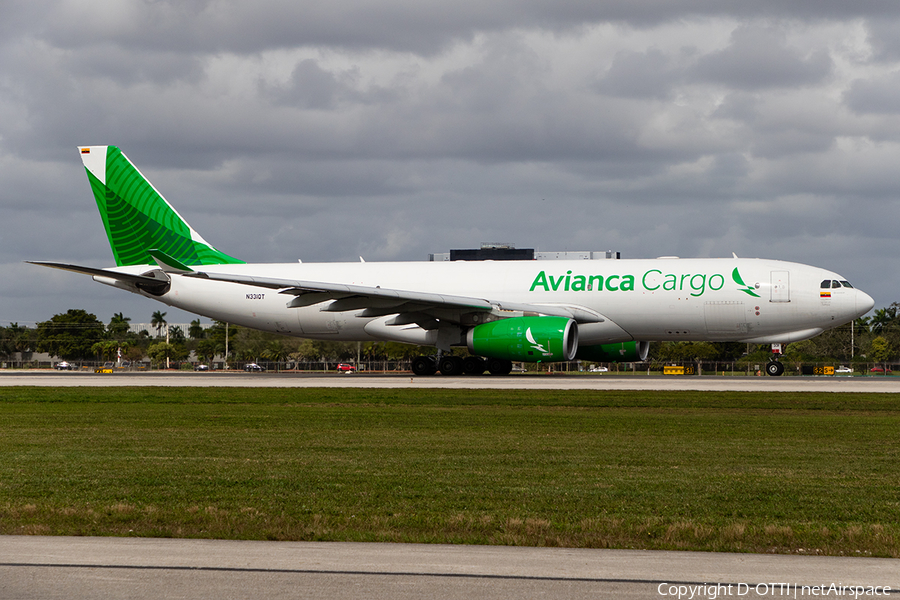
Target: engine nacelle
{"points": [[529, 339], [621, 352]]}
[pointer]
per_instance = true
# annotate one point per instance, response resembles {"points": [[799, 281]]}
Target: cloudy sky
{"points": [[325, 131]]}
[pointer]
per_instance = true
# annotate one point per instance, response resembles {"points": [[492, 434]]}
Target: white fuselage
{"points": [[646, 300]]}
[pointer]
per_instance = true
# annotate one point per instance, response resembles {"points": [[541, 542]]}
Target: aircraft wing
{"points": [[422, 308], [377, 301]]}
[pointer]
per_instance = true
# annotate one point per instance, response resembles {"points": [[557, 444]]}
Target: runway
{"points": [[33, 567], [554, 381]]}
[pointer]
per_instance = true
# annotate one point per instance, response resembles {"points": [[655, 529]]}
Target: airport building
{"points": [[151, 329], [504, 251]]}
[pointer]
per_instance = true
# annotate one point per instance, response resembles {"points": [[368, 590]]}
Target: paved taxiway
{"points": [[33, 567], [556, 381]]}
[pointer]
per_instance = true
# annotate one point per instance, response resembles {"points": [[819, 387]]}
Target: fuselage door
{"points": [[781, 286]]}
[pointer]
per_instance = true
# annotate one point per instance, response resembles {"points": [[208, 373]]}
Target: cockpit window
{"points": [[832, 283]]}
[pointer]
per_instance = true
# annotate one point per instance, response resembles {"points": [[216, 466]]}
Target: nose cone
{"points": [[864, 303]]}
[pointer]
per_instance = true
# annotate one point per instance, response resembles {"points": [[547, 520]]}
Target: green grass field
{"points": [[746, 472]]}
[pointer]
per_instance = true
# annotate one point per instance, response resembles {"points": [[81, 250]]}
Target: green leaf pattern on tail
{"points": [[137, 219]]}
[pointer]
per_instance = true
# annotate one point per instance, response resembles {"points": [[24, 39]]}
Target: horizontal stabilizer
{"points": [[146, 282], [167, 263]]}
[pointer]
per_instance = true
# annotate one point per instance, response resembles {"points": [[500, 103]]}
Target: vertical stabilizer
{"points": [[137, 218]]}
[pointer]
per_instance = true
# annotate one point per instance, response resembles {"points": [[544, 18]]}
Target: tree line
{"points": [[80, 335], [873, 339]]}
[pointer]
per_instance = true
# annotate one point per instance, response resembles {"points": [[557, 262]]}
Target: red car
{"points": [[878, 370], [345, 368]]}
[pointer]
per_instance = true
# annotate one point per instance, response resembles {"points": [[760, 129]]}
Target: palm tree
{"points": [[118, 325], [105, 349], [208, 349], [158, 320], [883, 319], [19, 335], [176, 335], [195, 331], [277, 352]]}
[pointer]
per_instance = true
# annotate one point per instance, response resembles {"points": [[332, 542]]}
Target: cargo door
{"points": [[781, 286], [726, 319]]}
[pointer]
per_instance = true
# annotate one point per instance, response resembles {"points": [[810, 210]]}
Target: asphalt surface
{"points": [[604, 381], [34, 567]]}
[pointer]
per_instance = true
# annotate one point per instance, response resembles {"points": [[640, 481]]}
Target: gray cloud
{"points": [[401, 25], [312, 87], [285, 130], [649, 74], [759, 58], [882, 37], [875, 97]]}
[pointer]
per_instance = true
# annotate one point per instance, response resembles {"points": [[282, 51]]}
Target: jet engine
{"points": [[620, 352], [528, 339]]}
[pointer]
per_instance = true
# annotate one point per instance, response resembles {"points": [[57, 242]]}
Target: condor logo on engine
{"points": [[539, 347]]}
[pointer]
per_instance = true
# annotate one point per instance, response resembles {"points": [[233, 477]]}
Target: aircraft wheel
{"points": [[499, 366], [774, 368], [474, 365], [423, 365], [451, 365]]}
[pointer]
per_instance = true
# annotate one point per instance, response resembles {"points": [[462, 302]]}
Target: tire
{"points": [[474, 365], [499, 366], [774, 369], [423, 365], [451, 365]]}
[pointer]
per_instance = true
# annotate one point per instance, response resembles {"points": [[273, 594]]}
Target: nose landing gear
{"points": [[775, 368]]}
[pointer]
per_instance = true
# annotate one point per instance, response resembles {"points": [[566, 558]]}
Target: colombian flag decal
{"points": [[824, 294]]}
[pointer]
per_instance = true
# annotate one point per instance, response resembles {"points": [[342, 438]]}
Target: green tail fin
{"points": [[137, 218]]}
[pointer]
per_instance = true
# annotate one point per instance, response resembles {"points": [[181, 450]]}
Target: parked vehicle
{"points": [[63, 366], [253, 367]]}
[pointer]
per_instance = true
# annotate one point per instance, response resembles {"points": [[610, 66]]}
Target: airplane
{"points": [[501, 311]]}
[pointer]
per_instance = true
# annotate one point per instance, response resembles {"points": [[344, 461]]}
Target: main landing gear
{"points": [[456, 365], [424, 365], [775, 368]]}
